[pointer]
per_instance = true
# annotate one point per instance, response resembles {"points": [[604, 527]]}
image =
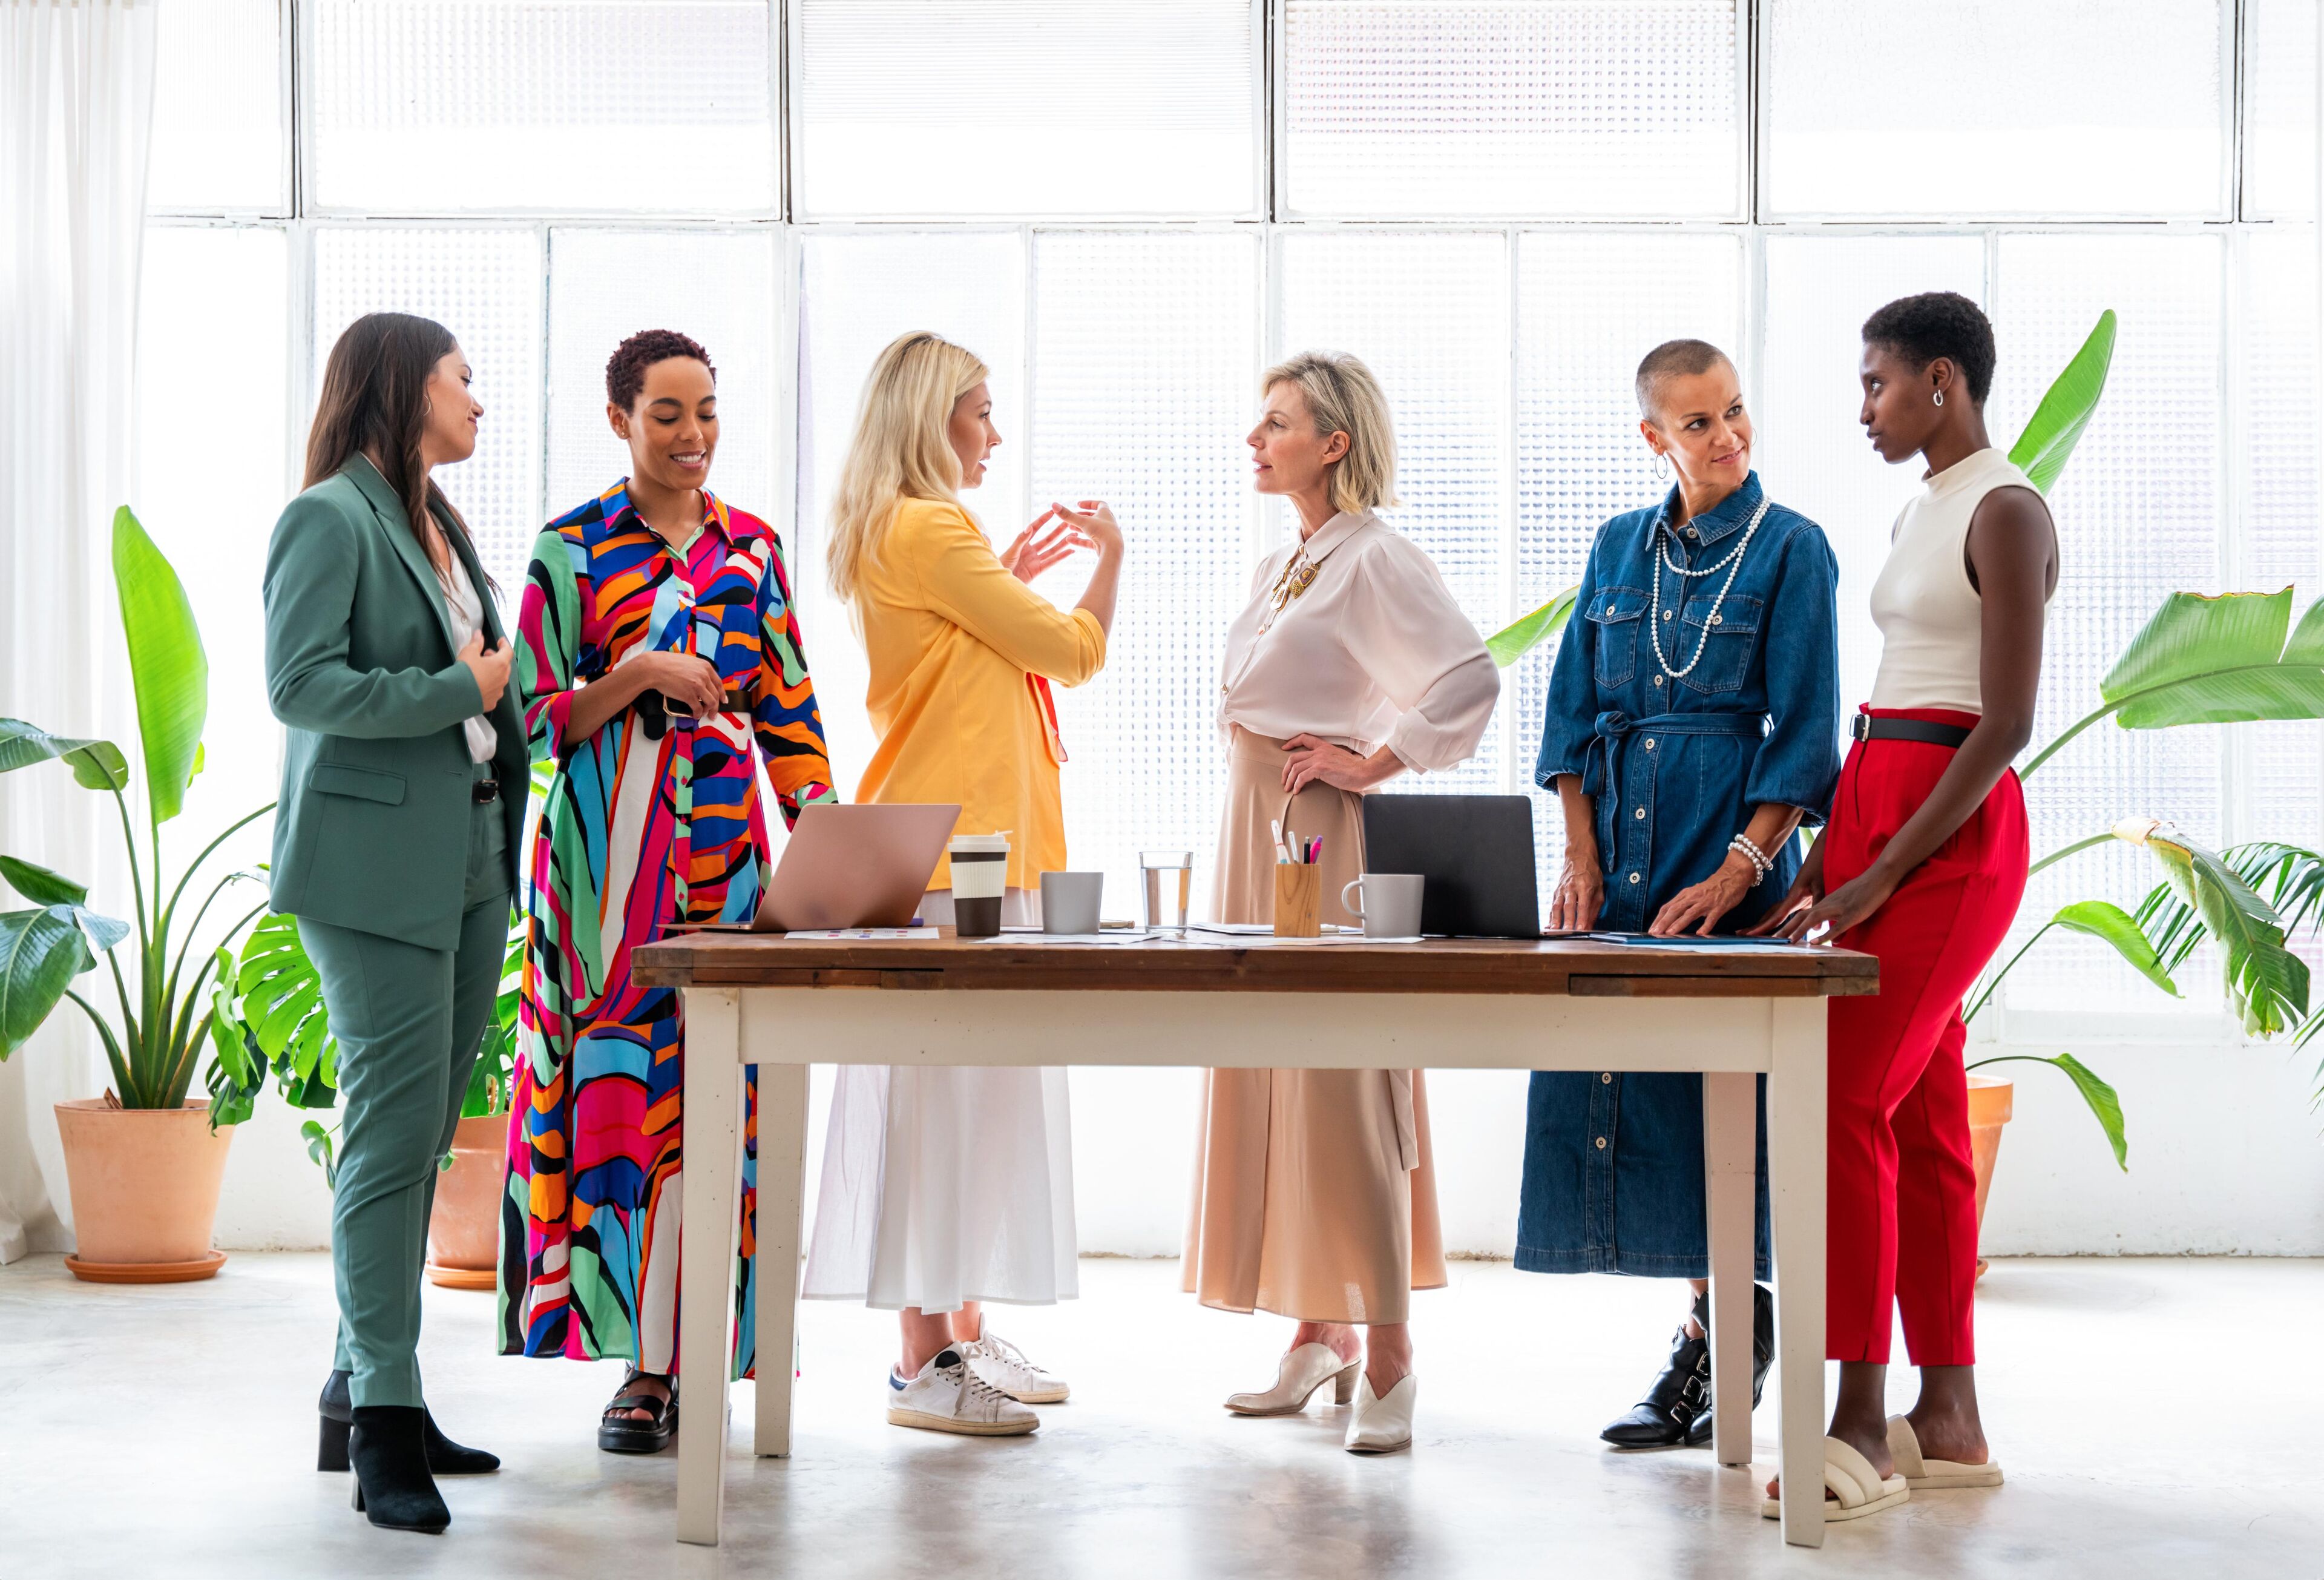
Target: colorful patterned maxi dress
{"points": [[652, 820]]}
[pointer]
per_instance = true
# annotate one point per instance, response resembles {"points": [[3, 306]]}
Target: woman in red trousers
{"points": [[1922, 864]]}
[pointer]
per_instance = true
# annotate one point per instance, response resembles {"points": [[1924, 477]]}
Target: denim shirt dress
{"points": [[1613, 1163]]}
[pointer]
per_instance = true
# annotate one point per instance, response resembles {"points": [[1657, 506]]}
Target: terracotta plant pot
{"points": [[144, 1184], [1990, 1105], [464, 1229]]}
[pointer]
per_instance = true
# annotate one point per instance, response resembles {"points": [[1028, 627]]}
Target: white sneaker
{"points": [[947, 1396], [1003, 1365]]}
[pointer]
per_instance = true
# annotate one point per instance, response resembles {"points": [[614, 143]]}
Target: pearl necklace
{"points": [[1734, 562]]}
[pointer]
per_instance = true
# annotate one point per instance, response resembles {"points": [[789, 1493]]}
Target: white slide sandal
{"points": [[1856, 1491], [1933, 1475]]}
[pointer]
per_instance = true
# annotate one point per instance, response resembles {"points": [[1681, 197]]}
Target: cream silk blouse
{"points": [[1374, 653]]}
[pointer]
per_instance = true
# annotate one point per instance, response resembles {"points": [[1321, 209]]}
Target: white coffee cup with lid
{"points": [[980, 876]]}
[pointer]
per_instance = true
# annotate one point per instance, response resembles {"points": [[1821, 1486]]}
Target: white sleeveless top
{"points": [[1930, 616]]}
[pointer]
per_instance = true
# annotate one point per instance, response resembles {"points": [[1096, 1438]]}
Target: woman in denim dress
{"points": [[1694, 723]]}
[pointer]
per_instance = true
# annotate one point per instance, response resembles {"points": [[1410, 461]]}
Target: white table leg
{"points": [[775, 1270], [1797, 1141], [1730, 1172], [709, 1173]]}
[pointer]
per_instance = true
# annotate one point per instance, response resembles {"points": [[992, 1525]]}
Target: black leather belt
{"points": [[1864, 727], [483, 793]]}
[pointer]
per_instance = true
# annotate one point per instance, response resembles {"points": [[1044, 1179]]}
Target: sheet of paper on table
{"points": [[827, 934], [1701, 945], [1034, 935]]}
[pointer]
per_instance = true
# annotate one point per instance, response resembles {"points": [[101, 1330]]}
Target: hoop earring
{"points": [[1939, 397], [1661, 467]]}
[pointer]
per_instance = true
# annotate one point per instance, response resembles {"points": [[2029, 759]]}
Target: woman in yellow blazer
{"points": [[943, 1188]]}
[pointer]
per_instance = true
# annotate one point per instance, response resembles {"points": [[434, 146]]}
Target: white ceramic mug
{"points": [[1391, 908], [1069, 901]]}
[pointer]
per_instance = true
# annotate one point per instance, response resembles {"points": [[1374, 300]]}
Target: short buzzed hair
{"points": [[1672, 359]]}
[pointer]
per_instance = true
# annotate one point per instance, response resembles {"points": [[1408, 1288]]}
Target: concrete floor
{"points": [[2151, 1414]]}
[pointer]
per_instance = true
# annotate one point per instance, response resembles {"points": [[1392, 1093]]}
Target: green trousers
{"points": [[408, 1021]]}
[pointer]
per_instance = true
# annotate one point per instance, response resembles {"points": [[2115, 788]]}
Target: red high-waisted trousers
{"points": [[1903, 1191]]}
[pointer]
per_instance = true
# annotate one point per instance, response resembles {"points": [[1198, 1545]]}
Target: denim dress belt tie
{"points": [[1602, 774]]}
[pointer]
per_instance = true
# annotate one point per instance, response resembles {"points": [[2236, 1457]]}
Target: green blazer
{"points": [[372, 829]]}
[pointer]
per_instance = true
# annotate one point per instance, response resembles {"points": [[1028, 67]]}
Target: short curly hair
{"points": [[1938, 323], [625, 375]]}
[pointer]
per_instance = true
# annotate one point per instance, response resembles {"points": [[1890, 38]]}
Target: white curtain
{"points": [[75, 109]]}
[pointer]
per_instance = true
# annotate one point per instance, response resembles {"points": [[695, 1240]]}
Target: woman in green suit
{"points": [[402, 805]]}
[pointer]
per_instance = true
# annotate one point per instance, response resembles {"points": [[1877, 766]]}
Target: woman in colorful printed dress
{"points": [[657, 643]]}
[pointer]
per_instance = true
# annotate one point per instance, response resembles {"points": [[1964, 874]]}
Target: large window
{"points": [[1129, 210]]}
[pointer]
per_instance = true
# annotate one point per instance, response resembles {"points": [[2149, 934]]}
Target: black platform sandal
{"points": [[393, 1486], [1677, 1408], [617, 1434], [444, 1457]]}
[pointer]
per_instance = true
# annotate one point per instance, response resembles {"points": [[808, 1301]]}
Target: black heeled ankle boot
{"points": [[393, 1486], [1677, 1408], [444, 1457]]}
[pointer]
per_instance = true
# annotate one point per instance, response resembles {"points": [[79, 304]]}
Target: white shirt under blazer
{"points": [[1930, 618], [1373, 653]]}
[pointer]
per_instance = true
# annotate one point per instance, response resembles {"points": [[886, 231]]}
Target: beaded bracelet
{"points": [[1760, 866]]}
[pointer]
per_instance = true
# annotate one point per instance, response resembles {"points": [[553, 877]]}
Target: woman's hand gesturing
{"points": [[1700, 905], [1032, 551]]}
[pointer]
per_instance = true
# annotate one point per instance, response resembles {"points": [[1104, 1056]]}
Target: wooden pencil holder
{"points": [[1299, 901]]}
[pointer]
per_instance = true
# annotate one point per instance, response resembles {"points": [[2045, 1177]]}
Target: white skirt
{"points": [[943, 1186]]}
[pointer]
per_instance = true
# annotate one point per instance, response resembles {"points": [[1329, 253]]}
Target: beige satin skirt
{"points": [[1315, 1192]]}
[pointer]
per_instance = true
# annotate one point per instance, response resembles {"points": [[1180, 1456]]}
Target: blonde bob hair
{"points": [[902, 450], [1343, 397]]}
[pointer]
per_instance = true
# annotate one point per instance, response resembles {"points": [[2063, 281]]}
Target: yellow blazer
{"points": [[952, 638]]}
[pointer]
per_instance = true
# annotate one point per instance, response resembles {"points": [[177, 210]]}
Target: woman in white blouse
{"points": [[1315, 1196]]}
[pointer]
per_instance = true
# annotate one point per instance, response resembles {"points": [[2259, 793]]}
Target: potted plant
{"points": [[145, 1161]]}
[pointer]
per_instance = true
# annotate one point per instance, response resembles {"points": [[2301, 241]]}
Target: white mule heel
{"points": [[1383, 1426], [1303, 1372]]}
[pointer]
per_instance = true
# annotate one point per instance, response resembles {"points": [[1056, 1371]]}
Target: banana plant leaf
{"points": [[2057, 423], [2102, 918], [40, 886], [41, 952], [1512, 642], [2203, 660], [167, 667], [96, 764], [2105, 1103], [2265, 982]]}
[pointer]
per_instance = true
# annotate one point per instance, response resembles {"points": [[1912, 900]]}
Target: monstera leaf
{"points": [[1512, 642], [2203, 660], [2057, 423]]}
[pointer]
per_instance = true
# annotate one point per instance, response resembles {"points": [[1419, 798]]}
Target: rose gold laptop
{"points": [[850, 866]]}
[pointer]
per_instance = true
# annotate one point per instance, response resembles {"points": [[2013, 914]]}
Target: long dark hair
{"points": [[374, 404]]}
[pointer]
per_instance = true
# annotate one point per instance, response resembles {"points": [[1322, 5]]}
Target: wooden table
{"points": [[1569, 1004]]}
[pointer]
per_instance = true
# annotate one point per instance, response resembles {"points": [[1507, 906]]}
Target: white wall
{"points": [[2227, 1159]]}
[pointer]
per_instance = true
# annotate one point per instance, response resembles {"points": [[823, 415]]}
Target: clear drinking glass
{"points": [[1168, 878]]}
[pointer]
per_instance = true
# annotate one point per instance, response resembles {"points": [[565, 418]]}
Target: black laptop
{"points": [[1476, 853]]}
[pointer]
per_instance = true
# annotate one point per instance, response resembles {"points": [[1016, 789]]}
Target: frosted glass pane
{"points": [[857, 293], [216, 299], [1512, 107], [217, 107], [2138, 512], [449, 106], [1813, 454], [2279, 109], [1146, 351], [719, 287], [1589, 307], [2279, 544], [1976, 108], [1430, 314], [982, 107], [484, 286]]}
